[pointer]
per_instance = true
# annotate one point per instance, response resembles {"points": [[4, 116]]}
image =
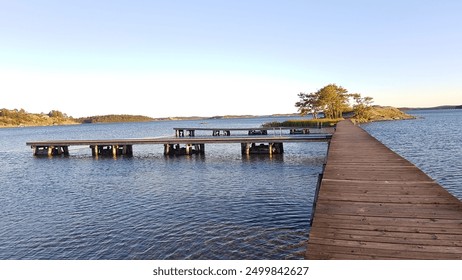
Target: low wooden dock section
{"points": [[262, 144], [374, 204]]}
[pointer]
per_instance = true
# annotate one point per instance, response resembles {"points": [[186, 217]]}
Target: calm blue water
{"points": [[433, 142], [219, 206]]}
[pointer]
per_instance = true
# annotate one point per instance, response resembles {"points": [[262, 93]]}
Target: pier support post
{"points": [[245, 148], [42, 151], [94, 150], [189, 149], [127, 150], [200, 149], [281, 148], [167, 149], [65, 150], [50, 150], [270, 149]]}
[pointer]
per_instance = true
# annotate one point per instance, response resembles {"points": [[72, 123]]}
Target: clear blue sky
{"points": [[181, 58]]}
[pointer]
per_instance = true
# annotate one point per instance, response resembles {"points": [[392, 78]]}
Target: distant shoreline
{"points": [[444, 107], [38, 120], [17, 119]]}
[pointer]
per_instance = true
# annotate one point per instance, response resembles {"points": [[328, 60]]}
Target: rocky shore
{"points": [[384, 113]]}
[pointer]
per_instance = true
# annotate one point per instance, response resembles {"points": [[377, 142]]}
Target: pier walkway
{"points": [[374, 204]]}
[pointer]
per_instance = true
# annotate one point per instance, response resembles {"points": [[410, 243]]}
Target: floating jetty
{"points": [[179, 145], [373, 204]]}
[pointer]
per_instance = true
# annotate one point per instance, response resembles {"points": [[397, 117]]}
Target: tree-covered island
{"points": [[333, 103], [19, 118]]}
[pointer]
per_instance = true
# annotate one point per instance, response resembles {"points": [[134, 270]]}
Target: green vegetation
{"points": [[114, 118], [333, 101], [11, 118], [379, 113], [15, 118], [304, 123]]}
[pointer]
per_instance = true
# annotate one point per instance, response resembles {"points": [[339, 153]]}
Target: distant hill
{"points": [[19, 118], [114, 118], [444, 107]]}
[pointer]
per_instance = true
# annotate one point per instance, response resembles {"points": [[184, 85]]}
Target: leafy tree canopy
{"points": [[333, 101]]}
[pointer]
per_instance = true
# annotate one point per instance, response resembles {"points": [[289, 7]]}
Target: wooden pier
{"points": [[191, 131], [255, 144], [374, 204]]}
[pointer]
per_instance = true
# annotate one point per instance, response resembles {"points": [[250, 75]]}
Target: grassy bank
{"points": [[304, 123]]}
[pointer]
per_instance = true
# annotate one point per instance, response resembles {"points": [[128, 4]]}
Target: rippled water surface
{"points": [[219, 206], [433, 142]]}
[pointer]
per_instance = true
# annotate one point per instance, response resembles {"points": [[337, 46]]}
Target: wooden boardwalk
{"points": [[373, 204]]}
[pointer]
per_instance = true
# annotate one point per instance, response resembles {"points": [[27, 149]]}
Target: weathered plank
{"points": [[374, 204]]}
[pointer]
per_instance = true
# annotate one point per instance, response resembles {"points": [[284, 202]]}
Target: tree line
{"points": [[21, 117], [114, 118], [333, 101]]}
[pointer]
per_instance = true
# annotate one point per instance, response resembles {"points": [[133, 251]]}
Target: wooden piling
{"points": [[65, 150], [127, 150], [245, 148]]}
